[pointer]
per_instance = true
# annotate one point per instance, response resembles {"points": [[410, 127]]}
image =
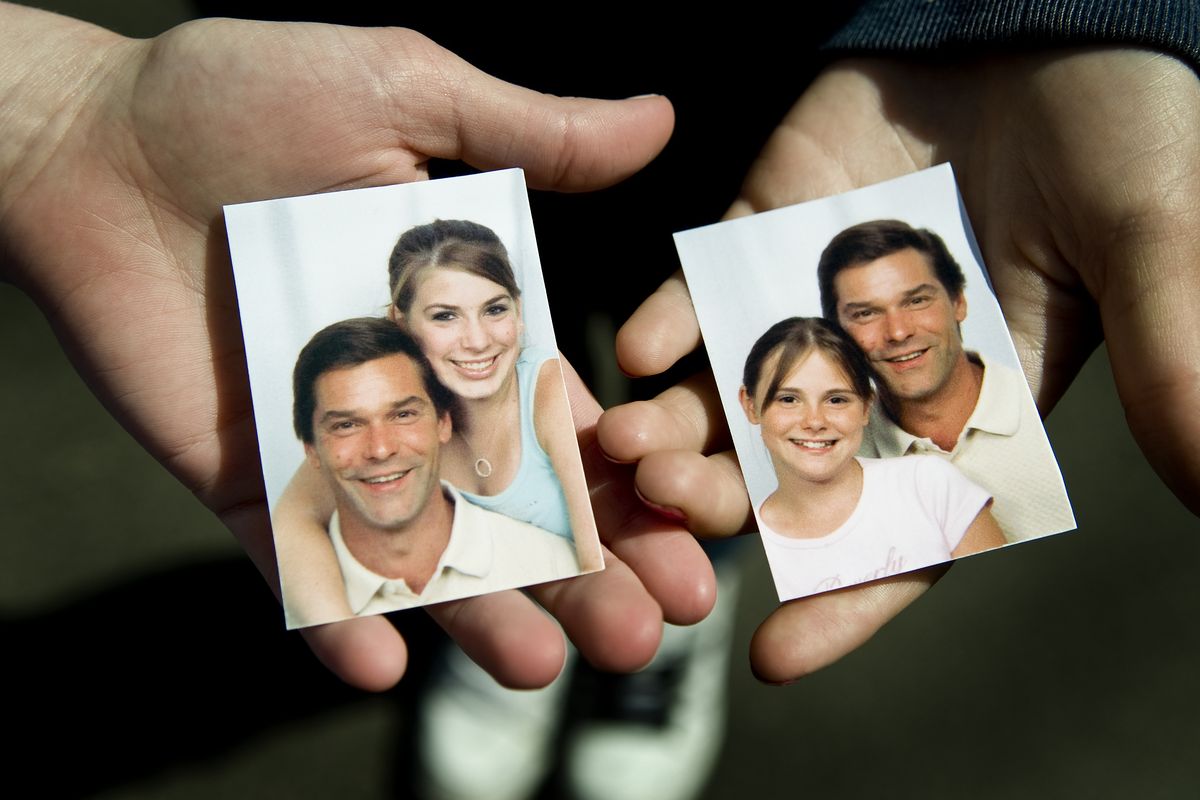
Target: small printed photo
{"points": [[873, 392], [416, 440]]}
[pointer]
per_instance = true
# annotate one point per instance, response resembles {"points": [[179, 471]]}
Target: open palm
{"points": [[115, 171]]}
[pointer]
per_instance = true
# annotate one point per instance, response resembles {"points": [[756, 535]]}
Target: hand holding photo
{"points": [[430, 453], [878, 432]]}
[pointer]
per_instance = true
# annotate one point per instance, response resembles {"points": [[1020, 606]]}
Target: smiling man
{"points": [[899, 294], [373, 419]]}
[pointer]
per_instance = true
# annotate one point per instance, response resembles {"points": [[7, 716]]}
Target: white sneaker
{"points": [[674, 711], [477, 739]]}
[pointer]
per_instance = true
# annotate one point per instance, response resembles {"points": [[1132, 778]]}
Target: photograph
{"points": [[873, 392], [413, 424]]}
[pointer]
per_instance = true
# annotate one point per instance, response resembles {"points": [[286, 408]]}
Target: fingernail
{"points": [[612, 460], [670, 512], [642, 96]]}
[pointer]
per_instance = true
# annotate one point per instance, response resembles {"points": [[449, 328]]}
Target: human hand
{"points": [[654, 570], [116, 157], [1080, 171]]}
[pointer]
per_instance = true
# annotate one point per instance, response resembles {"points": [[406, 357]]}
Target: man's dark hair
{"points": [[869, 241], [348, 344]]}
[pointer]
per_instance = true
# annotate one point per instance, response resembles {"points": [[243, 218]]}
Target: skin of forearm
{"points": [[52, 70]]}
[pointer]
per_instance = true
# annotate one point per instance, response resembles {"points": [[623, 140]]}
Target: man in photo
{"points": [[373, 418], [898, 292]]}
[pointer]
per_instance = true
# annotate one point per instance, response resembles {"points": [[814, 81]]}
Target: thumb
{"points": [[567, 144]]}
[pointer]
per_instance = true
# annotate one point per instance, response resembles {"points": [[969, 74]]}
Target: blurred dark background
{"points": [[144, 658]]}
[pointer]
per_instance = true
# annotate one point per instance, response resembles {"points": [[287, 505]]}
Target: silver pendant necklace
{"points": [[483, 467]]}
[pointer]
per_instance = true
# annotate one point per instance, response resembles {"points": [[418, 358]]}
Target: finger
{"points": [[1148, 310], [507, 635], [608, 615], [665, 558], [666, 435], [366, 652], [568, 144], [1144, 237], [687, 416], [661, 331], [836, 137], [706, 494], [802, 636], [795, 165]]}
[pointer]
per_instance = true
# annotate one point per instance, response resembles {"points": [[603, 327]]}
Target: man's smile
{"points": [[906, 360], [389, 478]]}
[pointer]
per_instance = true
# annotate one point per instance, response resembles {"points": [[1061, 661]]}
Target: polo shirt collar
{"points": [[998, 411], [469, 551]]}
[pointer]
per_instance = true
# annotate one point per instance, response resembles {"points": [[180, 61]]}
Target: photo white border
{"points": [[302, 263]]}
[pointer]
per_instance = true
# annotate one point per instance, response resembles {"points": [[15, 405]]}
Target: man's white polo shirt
{"points": [[1003, 448], [487, 552]]}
